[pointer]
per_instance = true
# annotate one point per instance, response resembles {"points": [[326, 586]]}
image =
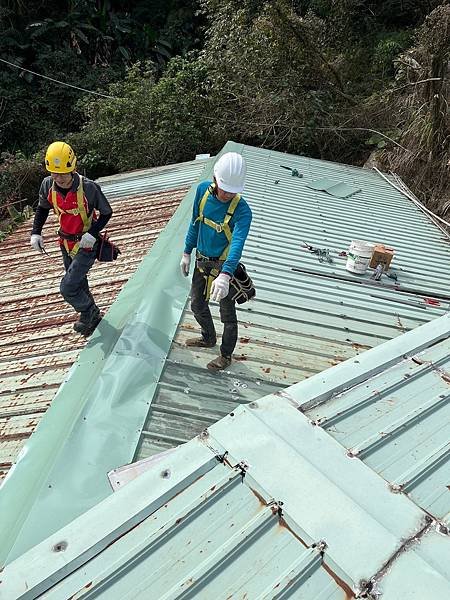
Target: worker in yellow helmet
{"points": [[83, 211]]}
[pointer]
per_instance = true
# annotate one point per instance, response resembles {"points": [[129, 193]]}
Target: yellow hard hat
{"points": [[60, 158]]}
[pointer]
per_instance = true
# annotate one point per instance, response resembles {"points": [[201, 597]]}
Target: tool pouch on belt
{"points": [[243, 287], [106, 250]]}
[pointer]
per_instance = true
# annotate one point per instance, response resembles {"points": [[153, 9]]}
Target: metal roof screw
{"points": [[165, 474], [443, 529], [321, 546], [60, 546], [253, 405], [396, 488]]}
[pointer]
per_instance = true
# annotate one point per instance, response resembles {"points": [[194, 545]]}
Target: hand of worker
{"points": [[37, 242], [220, 287], [185, 264], [87, 240]]}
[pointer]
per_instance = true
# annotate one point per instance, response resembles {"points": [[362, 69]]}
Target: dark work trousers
{"points": [[200, 308], [74, 285]]}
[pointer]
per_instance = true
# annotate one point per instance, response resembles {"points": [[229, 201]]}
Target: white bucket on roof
{"points": [[358, 257]]}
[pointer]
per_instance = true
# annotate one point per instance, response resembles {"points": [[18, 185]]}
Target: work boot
{"points": [[88, 321], [200, 342], [219, 363]]}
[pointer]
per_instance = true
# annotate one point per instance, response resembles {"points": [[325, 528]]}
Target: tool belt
{"points": [[106, 250], [71, 237], [241, 285], [208, 259]]}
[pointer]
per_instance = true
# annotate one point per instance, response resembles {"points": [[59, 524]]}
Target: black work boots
{"points": [[88, 321]]}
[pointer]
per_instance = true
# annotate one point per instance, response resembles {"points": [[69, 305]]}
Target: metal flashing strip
{"points": [[96, 418]]}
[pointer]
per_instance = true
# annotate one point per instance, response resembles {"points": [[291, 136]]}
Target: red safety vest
{"points": [[72, 213]]}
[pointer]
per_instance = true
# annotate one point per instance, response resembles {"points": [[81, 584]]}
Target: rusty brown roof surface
{"points": [[37, 343]]}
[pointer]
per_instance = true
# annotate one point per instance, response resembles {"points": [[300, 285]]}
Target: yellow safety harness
{"points": [[80, 210], [223, 227]]}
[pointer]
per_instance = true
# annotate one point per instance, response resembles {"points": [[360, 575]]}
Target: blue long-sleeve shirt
{"points": [[206, 239]]}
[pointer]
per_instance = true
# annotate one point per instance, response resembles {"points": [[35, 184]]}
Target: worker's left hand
{"points": [[220, 287], [87, 240]]}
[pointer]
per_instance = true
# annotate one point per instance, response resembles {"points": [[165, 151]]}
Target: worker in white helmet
{"points": [[220, 224]]}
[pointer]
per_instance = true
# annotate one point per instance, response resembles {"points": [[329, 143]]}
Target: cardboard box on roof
{"points": [[381, 256]]}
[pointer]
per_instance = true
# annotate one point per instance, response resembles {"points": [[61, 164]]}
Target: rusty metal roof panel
{"points": [[37, 344], [263, 504], [144, 181]]}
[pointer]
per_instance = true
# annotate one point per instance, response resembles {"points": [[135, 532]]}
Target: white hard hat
{"points": [[230, 171]]}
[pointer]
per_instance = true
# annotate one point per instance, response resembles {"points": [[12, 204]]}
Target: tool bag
{"points": [[106, 250], [242, 285]]}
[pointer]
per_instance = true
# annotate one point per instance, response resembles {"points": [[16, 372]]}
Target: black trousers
{"points": [[74, 286], [202, 314]]}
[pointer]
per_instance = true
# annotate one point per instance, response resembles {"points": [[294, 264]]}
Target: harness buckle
{"points": [[218, 227]]}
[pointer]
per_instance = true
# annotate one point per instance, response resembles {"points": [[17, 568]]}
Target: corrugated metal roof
{"points": [[37, 344], [263, 504], [398, 423], [145, 181], [308, 315], [302, 322]]}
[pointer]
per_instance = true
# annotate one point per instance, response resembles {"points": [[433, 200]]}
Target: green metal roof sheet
{"points": [[307, 315], [263, 504], [140, 394]]}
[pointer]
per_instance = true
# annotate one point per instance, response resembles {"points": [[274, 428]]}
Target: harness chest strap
{"points": [[219, 227], [80, 210]]}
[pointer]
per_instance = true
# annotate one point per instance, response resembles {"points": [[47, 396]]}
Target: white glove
{"points": [[87, 240], [220, 287], [185, 264], [37, 242]]}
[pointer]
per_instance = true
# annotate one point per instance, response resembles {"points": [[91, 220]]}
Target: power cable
{"points": [[57, 81]]}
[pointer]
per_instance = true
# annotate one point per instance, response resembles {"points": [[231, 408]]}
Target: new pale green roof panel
{"points": [[265, 503], [398, 423], [141, 394]]}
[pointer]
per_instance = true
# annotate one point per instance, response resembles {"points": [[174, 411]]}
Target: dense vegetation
{"points": [[336, 79]]}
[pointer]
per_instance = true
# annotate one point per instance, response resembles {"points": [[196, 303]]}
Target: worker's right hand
{"points": [[185, 264], [37, 242]]}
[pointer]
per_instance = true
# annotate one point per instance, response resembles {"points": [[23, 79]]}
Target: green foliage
{"points": [[387, 49], [87, 43], [327, 78], [19, 184], [152, 122], [419, 103]]}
